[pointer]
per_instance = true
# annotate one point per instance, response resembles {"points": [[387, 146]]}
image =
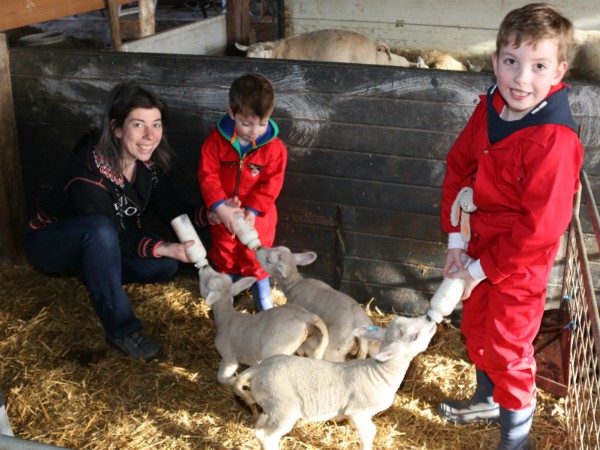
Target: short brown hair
{"points": [[252, 94], [532, 23]]}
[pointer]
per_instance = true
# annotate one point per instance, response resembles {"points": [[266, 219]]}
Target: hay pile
{"points": [[66, 387]]}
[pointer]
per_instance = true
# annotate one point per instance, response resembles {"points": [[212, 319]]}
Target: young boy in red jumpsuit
{"points": [[520, 154], [241, 168]]}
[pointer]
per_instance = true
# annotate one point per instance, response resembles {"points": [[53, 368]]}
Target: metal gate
{"points": [[582, 344]]}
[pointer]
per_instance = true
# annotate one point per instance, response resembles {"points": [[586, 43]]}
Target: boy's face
{"points": [[525, 75], [248, 126]]}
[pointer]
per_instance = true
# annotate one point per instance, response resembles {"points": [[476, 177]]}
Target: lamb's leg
{"points": [[269, 430], [363, 424], [227, 369]]}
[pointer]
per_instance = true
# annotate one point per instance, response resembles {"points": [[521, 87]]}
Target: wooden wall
{"points": [[367, 146], [462, 26]]}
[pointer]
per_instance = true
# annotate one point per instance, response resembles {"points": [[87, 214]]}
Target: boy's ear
{"points": [[495, 61], [231, 114], [561, 70]]}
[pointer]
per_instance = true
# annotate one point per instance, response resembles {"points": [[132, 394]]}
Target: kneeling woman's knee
{"points": [[101, 231]]}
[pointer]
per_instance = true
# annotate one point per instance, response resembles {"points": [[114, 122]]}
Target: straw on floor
{"points": [[66, 387]]}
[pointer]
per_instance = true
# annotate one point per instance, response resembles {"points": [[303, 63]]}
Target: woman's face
{"points": [[140, 134]]}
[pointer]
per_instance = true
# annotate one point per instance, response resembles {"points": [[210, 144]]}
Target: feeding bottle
{"points": [[448, 294], [185, 231], [245, 232]]}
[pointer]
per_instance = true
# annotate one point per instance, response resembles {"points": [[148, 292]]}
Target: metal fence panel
{"points": [[583, 397]]}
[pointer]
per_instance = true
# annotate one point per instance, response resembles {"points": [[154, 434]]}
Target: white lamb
{"points": [[340, 312], [289, 388], [248, 339]]}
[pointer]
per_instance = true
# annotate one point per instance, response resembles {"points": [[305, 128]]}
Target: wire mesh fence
{"points": [[582, 344]]}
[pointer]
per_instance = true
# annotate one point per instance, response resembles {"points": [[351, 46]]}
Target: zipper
{"points": [[239, 175]]}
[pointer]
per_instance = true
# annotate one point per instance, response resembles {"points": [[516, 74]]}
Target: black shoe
{"points": [[464, 412], [136, 345]]}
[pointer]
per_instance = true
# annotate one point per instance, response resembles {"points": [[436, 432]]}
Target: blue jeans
{"points": [[88, 246]]}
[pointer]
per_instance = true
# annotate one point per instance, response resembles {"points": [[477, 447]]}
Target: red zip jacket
{"points": [[523, 184], [256, 177]]}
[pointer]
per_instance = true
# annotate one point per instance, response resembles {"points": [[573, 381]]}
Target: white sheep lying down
{"points": [[340, 312], [289, 388], [248, 339]]}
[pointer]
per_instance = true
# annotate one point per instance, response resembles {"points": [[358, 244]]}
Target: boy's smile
{"points": [[525, 75]]}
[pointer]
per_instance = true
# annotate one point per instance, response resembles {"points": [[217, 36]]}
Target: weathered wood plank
{"points": [[19, 13], [12, 197], [367, 149]]}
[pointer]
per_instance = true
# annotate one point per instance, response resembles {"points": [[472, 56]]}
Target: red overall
{"points": [[258, 176], [523, 188]]}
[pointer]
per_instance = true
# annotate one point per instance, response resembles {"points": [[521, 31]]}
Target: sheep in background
{"points": [[340, 312], [248, 339], [386, 58], [289, 388], [321, 45], [584, 56]]}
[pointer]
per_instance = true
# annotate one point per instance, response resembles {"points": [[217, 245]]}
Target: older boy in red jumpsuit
{"points": [[521, 155], [242, 167]]}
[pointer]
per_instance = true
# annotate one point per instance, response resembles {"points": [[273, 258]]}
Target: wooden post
{"points": [[238, 25], [115, 27], [148, 25], [12, 197]]}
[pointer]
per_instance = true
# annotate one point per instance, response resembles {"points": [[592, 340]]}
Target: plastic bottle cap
{"points": [[435, 316], [254, 244], [201, 264]]}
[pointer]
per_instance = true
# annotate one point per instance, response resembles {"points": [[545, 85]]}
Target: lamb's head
{"points": [[280, 262], [259, 50], [215, 286], [409, 335]]}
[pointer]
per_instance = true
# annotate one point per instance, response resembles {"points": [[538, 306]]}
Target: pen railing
{"points": [[582, 344]]}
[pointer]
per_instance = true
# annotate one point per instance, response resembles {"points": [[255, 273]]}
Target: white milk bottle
{"points": [[246, 233], [185, 231], [448, 294]]}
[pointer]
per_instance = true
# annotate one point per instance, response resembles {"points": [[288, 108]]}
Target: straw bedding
{"points": [[66, 387]]}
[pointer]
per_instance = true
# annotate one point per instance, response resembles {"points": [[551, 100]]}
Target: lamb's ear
{"points": [[241, 47], [304, 259], [242, 284], [211, 298], [370, 332]]}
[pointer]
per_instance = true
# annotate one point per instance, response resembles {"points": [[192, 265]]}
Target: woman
{"points": [[90, 224]]}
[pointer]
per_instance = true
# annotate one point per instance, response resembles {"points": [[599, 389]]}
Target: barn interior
{"points": [[367, 203]]}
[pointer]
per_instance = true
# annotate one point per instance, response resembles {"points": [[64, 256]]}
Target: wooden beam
{"points": [[19, 13], [148, 25], [12, 197], [115, 26], [238, 25]]}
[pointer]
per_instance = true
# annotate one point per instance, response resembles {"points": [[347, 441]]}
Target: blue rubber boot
{"points": [[480, 408], [514, 428], [261, 293]]}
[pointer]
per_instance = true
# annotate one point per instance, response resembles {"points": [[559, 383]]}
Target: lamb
{"points": [[250, 338], [321, 45], [584, 55], [385, 58], [289, 388], [340, 312]]}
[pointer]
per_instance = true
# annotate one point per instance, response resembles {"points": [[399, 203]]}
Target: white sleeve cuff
{"points": [[455, 240], [476, 271]]}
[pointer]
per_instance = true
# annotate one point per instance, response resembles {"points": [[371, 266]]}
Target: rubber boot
{"points": [[480, 408], [4, 422], [514, 428], [261, 293]]}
